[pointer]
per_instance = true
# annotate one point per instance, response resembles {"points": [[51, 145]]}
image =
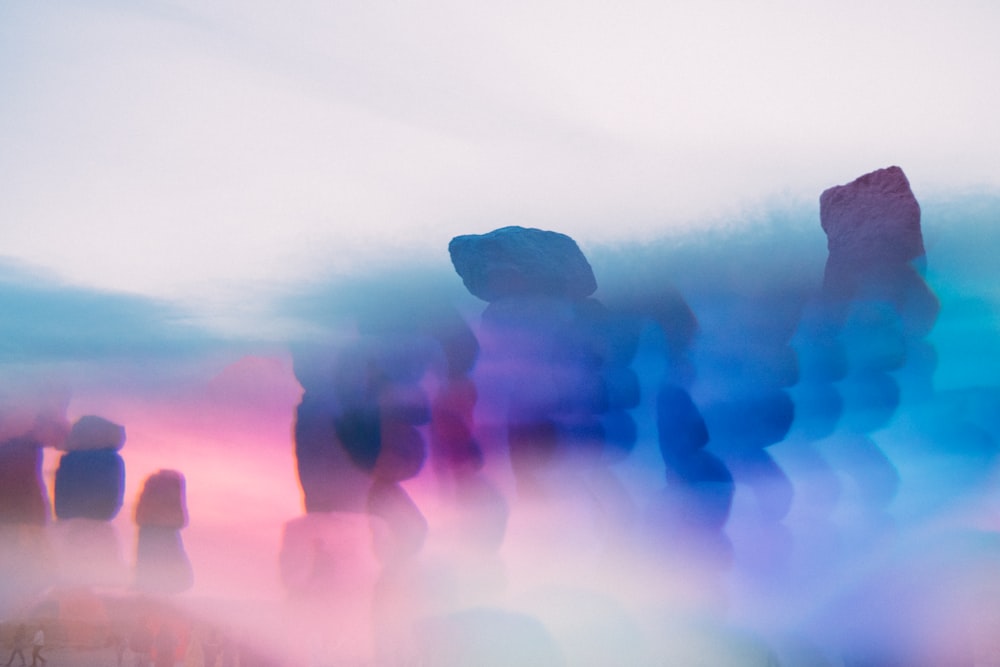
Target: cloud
{"points": [[184, 150], [46, 321]]}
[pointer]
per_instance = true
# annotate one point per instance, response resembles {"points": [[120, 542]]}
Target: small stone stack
{"points": [[545, 348], [556, 381], [89, 489], [162, 564], [876, 312]]}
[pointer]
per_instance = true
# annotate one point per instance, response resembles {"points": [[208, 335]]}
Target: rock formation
{"points": [[90, 480], [875, 310], [519, 261], [876, 247], [23, 497], [162, 564]]}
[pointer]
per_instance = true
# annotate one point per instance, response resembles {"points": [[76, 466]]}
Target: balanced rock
{"points": [[92, 432], [872, 221], [520, 261], [162, 502]]}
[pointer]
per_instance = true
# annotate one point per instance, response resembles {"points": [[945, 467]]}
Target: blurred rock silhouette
{"points": [[90, 480], [874, 308], [162, 564], [518, 261], [89, 490], [23, 496], [32, 416]]}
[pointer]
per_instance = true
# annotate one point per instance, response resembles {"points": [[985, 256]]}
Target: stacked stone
{"points": [[89, 488], [360, 432], [31, 418], [454, 447], [875, 312], [616, 339], [691, 513], [358, 427], [380, 409], [556, 373], [90, 479], [746, 365], [876, 248], [330, 480], [162, 564], [357, 437], [23, 497], [545, 344]]}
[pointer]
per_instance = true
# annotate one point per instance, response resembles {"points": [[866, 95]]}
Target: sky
{"points": [[200, 151]]}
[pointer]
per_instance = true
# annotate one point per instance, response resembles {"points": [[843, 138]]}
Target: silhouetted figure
{"points": [[17, 645], [141, 643], [37, 644], [165, 648], [119, 644]]}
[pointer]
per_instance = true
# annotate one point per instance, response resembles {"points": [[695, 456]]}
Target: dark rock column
{"points": [[89, 489], [540, 332], [32, 417], [875, 310], [23, 496], [162, 564], [386, 395], [688, 518], [555, 371], [90, 480]]}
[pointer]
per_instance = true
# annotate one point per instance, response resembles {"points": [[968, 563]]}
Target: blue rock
{"points": [[681, 427], [92, 432], [519, 261], [90, 484]]}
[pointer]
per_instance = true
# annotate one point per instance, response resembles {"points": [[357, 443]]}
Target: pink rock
{"points": [[23, 497], [874, 239], [874, 218], [162, 502]]}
